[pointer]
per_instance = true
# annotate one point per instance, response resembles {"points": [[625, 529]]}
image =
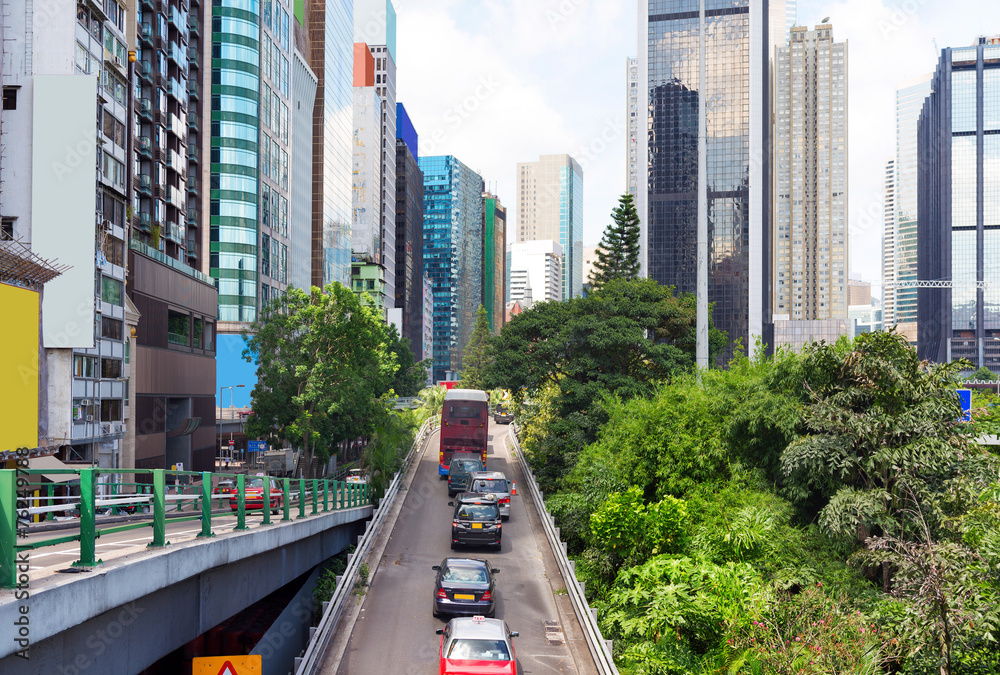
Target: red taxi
{"points": [[477, 646], [254, 495]]}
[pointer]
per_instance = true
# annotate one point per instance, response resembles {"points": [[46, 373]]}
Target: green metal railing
{"points": [[156, 500]]}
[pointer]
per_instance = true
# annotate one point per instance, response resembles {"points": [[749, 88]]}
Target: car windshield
{"points": [[479, 650], [463, 573], [477, 512], [255, 483], [491, 485]]}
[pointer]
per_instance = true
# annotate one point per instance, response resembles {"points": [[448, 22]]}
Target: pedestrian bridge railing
{"points": [[19, 503]]}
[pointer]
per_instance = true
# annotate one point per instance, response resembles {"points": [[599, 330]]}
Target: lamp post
{"points": [[232, 412]]}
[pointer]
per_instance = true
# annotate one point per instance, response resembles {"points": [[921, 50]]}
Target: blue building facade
{"points": [[571, 228], [453, 256]]}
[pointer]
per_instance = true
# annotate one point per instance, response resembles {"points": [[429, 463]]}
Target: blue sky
{"points": [[496, 82]]}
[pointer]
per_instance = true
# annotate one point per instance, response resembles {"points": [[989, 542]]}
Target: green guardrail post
{"points": [[51, 515], [265, 504], [159, 508], [206, 505], [286, 497], [315, 496], [241, 502], [302, 497], [326, 495], [8, 528], [88, 535]]}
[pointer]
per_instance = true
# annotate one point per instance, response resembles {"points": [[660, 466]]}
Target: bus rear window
{"points": [[464, 412]]}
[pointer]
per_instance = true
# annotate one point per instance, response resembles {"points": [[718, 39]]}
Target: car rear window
{"points": [[463, 573], [479, 650], [469, 465], [478, 512], [489, 485]]}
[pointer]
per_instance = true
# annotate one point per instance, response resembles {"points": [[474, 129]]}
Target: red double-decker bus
{"points": [[464, 425]]}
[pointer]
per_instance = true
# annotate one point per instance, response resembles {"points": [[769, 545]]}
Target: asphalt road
{"points": [[395, 630]]}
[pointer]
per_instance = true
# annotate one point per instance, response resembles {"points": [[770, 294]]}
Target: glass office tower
{"points": [[737, 92], [958, 152], [453, 254]]}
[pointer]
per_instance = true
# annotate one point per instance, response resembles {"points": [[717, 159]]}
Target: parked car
{"points": [[462, 464], [464, 587], [476, 521], [253, 494], [477, 645], [492, 483], [501, 415]]}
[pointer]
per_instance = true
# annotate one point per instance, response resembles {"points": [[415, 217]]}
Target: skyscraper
{"points": [[889, 243], [958, 150], [550, 206], [494, 260], [300, 261], [809, 269], [536, 271], [737, 45], [633, 116], [910, 97], [409, 220], [330, 47], [453, 254]]}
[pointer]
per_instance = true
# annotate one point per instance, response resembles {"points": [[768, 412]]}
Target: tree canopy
{"points": [[476, 358], [324, 365], [618, 252]]}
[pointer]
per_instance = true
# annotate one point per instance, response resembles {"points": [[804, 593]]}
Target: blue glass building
{"points": [[453, 255], [958, 211]]}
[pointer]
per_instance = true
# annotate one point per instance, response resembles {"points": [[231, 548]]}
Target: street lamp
{"points": [[232, 414]]}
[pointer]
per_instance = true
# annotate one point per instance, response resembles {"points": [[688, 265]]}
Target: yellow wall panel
{"points": [[18, 368]]}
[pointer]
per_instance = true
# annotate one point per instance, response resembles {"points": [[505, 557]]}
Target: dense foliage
{"points": [[476, 357], [325, 366], [815, 512]]}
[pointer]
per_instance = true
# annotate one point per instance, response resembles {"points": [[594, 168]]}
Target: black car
{"points": [[502, 416], [464, 587], [459, 470], [476, 521]]}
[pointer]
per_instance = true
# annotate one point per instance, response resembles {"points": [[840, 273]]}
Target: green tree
{"points": [[984, 374], [324, 367], [476, 357], [618, 252], [412, 374]]}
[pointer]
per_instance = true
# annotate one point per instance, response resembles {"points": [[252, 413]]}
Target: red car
{"points": [[254, 495], [477, 646]]}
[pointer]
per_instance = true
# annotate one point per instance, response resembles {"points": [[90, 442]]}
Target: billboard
{"points": [[19, 368], [63, 205]]}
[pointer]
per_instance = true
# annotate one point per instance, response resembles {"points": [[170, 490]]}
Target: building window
{"points": [[7, 229], [196, 332], [111, 291], [111, 410], [111, 368], [84, 366], [111, 328], [209, 336], [10, 98], [178, 328]]}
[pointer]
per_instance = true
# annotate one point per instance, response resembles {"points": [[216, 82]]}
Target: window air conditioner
{"points": [[85, 401], [90, 418]]}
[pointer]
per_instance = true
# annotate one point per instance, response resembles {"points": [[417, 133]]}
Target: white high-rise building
{"points": [[910, 97], [385, 85], [550, 207], [889, 244], [633, 115], [536, 271], [809, 269]]}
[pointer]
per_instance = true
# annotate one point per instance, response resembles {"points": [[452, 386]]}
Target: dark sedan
{"points": [[464, 587]]}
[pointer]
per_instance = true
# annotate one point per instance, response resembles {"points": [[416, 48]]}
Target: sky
{"points": [[496, 82]]}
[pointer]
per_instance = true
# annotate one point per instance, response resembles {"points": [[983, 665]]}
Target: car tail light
{"points": [[487, 596], [442, 594]]}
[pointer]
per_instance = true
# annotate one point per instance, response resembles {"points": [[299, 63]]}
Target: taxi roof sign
{"points": [[227, 665]]}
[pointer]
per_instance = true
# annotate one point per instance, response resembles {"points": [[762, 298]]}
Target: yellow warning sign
{"points": [[226, 665]]}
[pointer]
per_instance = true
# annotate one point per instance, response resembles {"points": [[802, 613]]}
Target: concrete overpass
{"points": [[125, 615]]}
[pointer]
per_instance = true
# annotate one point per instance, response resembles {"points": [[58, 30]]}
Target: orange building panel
{"points": [[364, 66]]}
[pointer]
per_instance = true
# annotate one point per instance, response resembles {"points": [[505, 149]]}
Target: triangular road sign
{"points": [[227, 669]]}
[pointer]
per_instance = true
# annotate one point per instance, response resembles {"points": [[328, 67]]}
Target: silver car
{"points": [[492, 483]]}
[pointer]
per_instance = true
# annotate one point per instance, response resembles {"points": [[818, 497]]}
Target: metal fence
{"points": [[154, 499]]}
